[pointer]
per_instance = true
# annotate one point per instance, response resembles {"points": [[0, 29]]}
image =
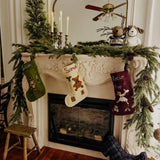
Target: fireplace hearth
{"points": [[83, 125]]}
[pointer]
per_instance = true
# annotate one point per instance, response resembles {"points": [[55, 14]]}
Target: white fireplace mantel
{"points": [[96, 74]]}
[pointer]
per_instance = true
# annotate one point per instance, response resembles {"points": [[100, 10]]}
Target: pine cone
{"points": [[146, 78], [157, 134], [151, 124], [151, 109]]}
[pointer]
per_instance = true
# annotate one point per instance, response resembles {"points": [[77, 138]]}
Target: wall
{"points": [[12, 13]]}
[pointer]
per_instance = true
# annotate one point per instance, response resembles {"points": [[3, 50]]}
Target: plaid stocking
{"points": [[113, 149]]}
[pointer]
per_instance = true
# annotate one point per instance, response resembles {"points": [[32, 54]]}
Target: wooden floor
{"points": [[46, 154]]}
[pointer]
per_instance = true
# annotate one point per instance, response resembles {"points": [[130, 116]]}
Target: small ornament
{"points": [[157, 134]]}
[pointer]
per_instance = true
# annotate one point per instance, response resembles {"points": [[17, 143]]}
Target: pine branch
{"points": [[37, 24]]}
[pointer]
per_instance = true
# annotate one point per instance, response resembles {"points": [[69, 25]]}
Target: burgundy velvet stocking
{"points": [[123, 94]]}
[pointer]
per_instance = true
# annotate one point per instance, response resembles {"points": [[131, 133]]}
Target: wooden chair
{"points": [[23, 131], [5, 90]]}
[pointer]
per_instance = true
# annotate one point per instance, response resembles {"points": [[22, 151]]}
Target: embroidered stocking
{"points": [[123, 94], [36, 87], [78, 90]]}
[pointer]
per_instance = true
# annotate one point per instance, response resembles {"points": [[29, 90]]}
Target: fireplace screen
{"points": [[83, 125]]}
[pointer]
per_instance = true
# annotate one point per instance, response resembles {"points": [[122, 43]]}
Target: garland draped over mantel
{"points": [[146, 91]]}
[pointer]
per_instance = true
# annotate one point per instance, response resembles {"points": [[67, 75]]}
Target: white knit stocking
{"points": [[78, 90]]}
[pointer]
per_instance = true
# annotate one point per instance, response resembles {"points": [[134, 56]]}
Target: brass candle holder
{"points": [[66, 40], [60, 40], [52, 37]]}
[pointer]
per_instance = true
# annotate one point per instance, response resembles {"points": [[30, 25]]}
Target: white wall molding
{"points": [[149, 23], [6, 33], [131, 12]]}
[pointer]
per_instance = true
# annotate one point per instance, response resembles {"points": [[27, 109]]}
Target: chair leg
{"points": [[25, 148], [19, 139], [5, 117], [6, 146], [36, 143]]}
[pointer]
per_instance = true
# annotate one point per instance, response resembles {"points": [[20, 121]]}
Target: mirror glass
{"points": [[82, 27]]}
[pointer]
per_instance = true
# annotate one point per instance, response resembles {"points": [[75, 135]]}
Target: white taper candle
{"points": [[67, 26], [60, 22], [52, 22]]}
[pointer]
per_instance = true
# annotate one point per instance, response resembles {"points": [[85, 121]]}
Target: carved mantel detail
{"points": [[95, 71]]}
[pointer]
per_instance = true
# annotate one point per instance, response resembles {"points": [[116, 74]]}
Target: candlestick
{"points": [[60, 40], [66, 41], [52, 37], [52, 22], [67, 26], [60, 22]]}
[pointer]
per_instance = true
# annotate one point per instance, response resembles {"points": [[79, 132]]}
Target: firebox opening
{"points": [[83, 125]]}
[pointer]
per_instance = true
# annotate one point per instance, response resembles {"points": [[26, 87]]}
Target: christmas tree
{"points": [[36, 24]]}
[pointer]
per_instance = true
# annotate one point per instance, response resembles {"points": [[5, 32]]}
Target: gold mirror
{"points": [[86, 16]]}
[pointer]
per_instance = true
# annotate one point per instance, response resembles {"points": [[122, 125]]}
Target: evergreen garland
{"points": [[146, 91], [146, 95], [20, 104]]}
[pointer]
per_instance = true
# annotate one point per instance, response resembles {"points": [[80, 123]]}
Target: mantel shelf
{"points": [[94, 70]]}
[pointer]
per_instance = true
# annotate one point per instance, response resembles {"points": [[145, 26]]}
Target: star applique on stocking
{"points": [[78, 83]]}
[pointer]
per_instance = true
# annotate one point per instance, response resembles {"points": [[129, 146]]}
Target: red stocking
{"points": [[123, 94]]}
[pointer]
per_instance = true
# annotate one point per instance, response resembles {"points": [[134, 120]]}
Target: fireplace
{"points": [[83, 125], [96, 74]]}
